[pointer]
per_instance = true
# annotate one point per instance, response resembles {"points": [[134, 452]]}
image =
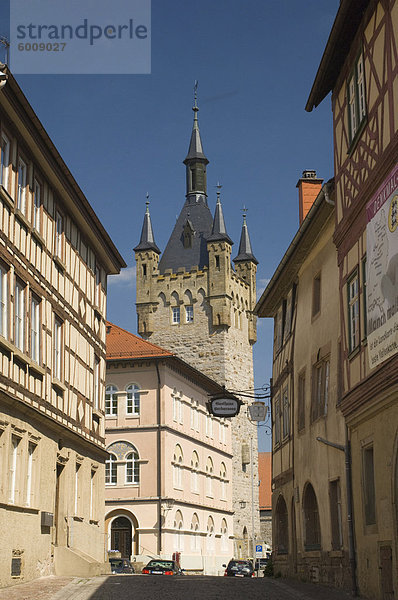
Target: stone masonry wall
{"points": [[222, 353]]}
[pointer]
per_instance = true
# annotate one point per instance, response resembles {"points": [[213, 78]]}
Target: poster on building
{"points": [[382, 271]]}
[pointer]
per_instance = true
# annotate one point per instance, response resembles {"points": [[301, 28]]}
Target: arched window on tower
{"points": [[188, 233]]}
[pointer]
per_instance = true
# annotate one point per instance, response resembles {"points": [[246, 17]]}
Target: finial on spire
{"points": [[244, 211], [218, 186], [195, 97], [147, 202]]}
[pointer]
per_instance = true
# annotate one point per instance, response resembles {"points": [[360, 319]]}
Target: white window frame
{"points": [[356, 94], [15, 441], [5, 161], [4, 302], [35, 329], [194, 473], [36, 205], [133, 399], [111, 401], [177, 467], [96, 382], [209, 478], [223, 482], [77, 487], [59, 229], [29, 478], [189, 313], [353, 311], [20, 315], [224, 535], [97, 285], [111, 470], [132, 472], [21, 192], [175, 315], [57, 370]]}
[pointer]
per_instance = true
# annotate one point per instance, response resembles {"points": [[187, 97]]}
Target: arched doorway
{"points": [[121, 534]]}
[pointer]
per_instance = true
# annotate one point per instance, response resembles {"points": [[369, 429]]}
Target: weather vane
{"points": [[147, 201], [244, 210], [195, 93]]}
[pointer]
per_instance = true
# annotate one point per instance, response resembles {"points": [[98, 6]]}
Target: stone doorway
{"points": [[121, 536]]}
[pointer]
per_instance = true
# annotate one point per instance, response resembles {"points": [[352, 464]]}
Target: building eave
{"points": [[81, 210], [345, 26], [297, 252], [173, 361]]}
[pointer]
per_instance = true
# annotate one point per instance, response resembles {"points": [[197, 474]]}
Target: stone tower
{"points": [[195, 303]]}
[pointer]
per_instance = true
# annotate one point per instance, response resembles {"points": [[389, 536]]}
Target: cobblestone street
{"points": [[129, 587]]}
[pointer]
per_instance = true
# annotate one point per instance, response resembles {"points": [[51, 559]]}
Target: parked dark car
{"points": [[239, 568], [162, 567], [120, 566]]}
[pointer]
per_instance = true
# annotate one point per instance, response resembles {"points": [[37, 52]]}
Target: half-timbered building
{"points": [[55, 256], [360, 67]]}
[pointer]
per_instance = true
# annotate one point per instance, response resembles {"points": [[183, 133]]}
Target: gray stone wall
{"points": [[224, 354]]}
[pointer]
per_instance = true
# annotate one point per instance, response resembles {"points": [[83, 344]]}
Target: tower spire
{"points": [[219, 231], [147, 240], [245, 253], [196, 161]]}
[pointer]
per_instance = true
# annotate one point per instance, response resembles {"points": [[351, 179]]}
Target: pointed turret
{"points": [[246, 267], [147, 259], [147, 240], [219, 232], [186, 247], [196, 162], [245, 248]]}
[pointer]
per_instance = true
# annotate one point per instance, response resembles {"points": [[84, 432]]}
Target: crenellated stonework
{"points": [[218, 342], [194, 303]]}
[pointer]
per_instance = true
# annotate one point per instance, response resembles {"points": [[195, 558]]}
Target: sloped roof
{"points": [[175, 255], [345, 26], [123, 344], [265, 475]]}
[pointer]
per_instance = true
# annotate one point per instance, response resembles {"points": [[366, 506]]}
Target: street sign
{"points": [[259, 551], [258, 411], [224, 406]]}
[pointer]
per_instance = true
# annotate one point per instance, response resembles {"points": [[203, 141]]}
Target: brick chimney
{"points": [[309, 187]]}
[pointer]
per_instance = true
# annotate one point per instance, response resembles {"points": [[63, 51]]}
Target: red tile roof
{"points": [[125, 345], [264, 475]]}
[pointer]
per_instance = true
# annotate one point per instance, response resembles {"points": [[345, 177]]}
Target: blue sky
{"points": [[125, 135]]}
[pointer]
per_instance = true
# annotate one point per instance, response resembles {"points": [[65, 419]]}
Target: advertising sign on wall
{"points": [[382, 271]]}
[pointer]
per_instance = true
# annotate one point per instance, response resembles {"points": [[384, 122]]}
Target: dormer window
{"points": [[188, 234]]}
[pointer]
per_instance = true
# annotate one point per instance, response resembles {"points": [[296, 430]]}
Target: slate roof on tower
{"points": [[199, 217], [245, 248]]}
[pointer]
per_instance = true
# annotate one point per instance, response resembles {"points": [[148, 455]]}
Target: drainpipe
{"points": [[159, 462], [350, 522]]}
